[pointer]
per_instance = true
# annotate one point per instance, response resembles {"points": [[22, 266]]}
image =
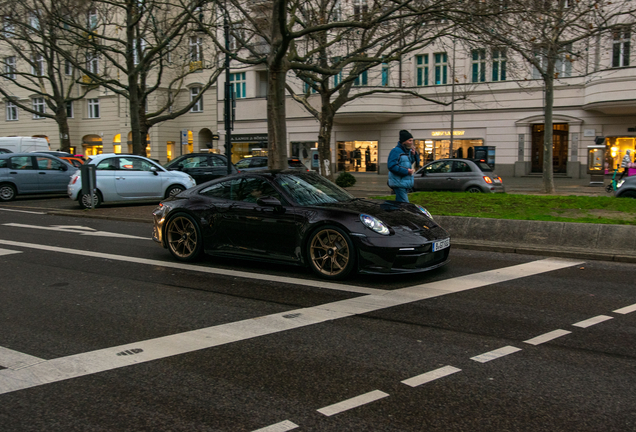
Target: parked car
{"points": [[57, 153], [32, 173], [4, 150], [463, 175], [75, 161], [128, 178], [202, 166], [301, 218], [260, 163], [626, 188], [24, 144]]}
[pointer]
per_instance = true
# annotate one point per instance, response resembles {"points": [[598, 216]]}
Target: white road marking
{"points": [[430, 376], [8, 252], [81, 231], [16, 360], [626, 309], [546, 337], [592, 321], [82, 364], [279, 427], [495, 354], [354, 402], [22, 211]]}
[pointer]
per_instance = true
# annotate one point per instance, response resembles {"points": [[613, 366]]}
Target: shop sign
{"points": [[447, 133], [589, 132], [247, 138]]}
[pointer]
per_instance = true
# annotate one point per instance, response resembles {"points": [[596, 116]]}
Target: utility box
{"points": [[486, 154], [596, 164], [89, 179], [315, 159]]}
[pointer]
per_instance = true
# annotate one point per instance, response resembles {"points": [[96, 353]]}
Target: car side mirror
{"points": [[63, 168], [154, 170]]}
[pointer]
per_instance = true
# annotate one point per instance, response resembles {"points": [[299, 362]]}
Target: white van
{"points": [[23, 144]]}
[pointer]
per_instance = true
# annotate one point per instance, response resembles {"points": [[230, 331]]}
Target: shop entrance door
{"points": [[559, 148]]}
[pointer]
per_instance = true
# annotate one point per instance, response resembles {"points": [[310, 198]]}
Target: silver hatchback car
{"points": [[459, 175]]}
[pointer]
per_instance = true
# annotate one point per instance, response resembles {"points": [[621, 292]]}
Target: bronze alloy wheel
{"points": [[184, 240], [331, 253]]}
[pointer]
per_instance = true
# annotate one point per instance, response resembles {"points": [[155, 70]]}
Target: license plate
{"points": [[442, 244], [497, 180]]}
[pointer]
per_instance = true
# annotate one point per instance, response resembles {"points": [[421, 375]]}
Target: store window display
{"points": [[358, 156]]}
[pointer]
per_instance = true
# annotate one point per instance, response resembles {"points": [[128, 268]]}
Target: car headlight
{"points": [[374, 224], [423, 210], [619, 183]]}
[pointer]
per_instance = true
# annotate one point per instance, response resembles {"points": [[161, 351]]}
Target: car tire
{"points": [[84, 200], [331, 253], [7, 192], [183, 237], [474, 189], [174, 190], [628, 194]]}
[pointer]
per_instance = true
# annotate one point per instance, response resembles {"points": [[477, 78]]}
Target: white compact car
{"points": [[128, 178]]}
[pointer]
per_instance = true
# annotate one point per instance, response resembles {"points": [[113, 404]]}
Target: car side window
{"points": [[134, 164], [107, 164], [227, 190], [3, 163], [439, 167], [216, 161], [21, 163], [254, 188], [460, 166], [195, 162], [243, 163], [259, 163], [45, 163]]}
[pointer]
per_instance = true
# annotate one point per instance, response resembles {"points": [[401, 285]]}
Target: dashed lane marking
{"points": [[626, 310], [83, 364], [8, 252], [352, 403], [279, 427], [22, 211], [547, 337], [495, 354], [592, 321], [431, 376]]}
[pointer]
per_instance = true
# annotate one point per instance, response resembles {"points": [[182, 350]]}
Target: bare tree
{"points": [[142, 49], [36, 64], [547, 35]]}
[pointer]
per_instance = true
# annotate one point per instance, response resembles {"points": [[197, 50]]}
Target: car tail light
{"points": [[74, 180], [487, 179], [500, 180]]}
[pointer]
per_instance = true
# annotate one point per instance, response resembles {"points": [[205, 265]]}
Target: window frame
{"points": [[37, 103], [421, 70], [93, 108], [621, 47], [198, 106], [11, 107], [239, 84], [478, 65], [441, 68], [10, 67]]}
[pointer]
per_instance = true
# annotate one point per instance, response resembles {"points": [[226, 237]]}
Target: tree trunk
{"points": [[324, 139], [62, 125], [276, 118], [548, 132]]}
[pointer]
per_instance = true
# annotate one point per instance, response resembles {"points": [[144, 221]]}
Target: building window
{"points": [[479, 65], [34, 22], [92, 19], [421, 69], [362, 79], [386, 73], [9, 67], [360, 9], [37, 68], [93, 108], [12, 111], [441, 68], [139, 45], [309, 88], [195, 49], [498, 65], [620, 54], [336, 12], [39, 107], [69, 109], [68, 68], [563, 64], [92, 63], [8, 28], [197, 107], [239, 85]]}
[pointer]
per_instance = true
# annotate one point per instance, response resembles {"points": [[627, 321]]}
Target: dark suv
{"points": [[201, 166], [260, 163]]}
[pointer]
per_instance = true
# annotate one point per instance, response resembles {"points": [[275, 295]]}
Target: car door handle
{"points": [[120, 178], [41, 173], [13, 172]]}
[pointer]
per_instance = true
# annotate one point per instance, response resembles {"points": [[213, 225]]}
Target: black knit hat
{"points": [[405, 135]]}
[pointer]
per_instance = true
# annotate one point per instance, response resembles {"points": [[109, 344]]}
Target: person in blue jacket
{"points": [[400, 164]]}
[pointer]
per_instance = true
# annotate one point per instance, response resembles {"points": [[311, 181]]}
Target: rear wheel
{"points": [[183, 237], [474, 189], [331, 253], [174, 190], [7, 192], [85, 200]]}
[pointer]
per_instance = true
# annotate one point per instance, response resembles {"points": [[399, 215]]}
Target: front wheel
{"points": [[628, 194], [85, 200], [609, 188], [183, 237], [7, 192], [174, 190], [331, 253]]}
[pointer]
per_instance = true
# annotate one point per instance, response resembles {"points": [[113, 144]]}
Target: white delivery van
{"points": [[23, 144]]}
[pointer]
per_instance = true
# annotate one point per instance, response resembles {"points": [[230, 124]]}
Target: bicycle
{"points": [[612, 186]]}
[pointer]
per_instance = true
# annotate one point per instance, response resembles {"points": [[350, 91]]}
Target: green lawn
{"points": [[572, 208]]}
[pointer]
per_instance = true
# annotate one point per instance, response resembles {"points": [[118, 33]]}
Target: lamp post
{"points": [[452, 122], [228, 95]]}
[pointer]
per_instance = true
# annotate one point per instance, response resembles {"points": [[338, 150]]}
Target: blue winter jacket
{"points": [[400, 161]]}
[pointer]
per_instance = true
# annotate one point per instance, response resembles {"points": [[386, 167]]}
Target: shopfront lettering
{"points": [[447, 133]]}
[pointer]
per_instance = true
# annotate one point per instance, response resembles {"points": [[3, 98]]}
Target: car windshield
{"points": [[312, 189]]}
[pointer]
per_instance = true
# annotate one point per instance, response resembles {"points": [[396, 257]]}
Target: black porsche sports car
{"points": [[299, 218]]}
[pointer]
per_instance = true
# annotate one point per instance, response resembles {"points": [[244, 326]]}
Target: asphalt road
{"points": [[103, 331]]}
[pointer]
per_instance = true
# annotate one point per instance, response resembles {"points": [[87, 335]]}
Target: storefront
{"points": [[438, 146], [246, 145], [616, 148], [358, 156], [92, 145]]}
